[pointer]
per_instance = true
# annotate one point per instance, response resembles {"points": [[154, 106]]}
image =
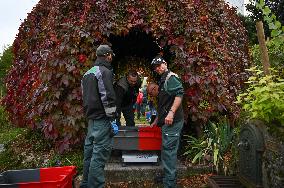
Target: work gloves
{"points": [[114, 128]]}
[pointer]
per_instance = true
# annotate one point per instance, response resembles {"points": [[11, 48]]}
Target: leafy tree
{"points": [[6, 59], [275, 46], [276, 6], [204, 41]]}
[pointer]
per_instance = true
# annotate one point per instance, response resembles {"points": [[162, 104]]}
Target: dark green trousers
{"points": [[97, 150], [170, 145]]}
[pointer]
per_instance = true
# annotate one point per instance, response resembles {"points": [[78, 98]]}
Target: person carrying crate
{"points": [[100, 110], [127, 89], [170, 117]]}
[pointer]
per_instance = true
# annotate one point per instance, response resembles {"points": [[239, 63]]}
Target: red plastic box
{"points": [[150, 138], [53, 177]]}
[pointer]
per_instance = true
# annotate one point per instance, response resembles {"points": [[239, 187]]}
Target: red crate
{"points": [[53, 177], [150, 138]]}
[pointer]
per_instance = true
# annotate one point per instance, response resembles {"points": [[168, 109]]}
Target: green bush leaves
{"points": [[264, 97]]}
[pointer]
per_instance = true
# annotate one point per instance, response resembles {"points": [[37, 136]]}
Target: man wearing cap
{"points": [[100, 109], [127, 89], [170, 117]]}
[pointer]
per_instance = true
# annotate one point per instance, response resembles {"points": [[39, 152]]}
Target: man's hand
{"points": [[170, 118], [154, 122]]}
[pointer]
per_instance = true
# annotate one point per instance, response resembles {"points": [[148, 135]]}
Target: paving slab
{"points": [[117, 172]]}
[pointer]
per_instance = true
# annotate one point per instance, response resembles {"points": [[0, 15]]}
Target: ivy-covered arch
{"points": [[204, 41]]}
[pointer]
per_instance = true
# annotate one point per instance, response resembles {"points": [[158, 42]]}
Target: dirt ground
{"points": [[197, 181]]}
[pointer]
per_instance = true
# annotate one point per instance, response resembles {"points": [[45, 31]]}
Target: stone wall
{"points": [[273, 161]]}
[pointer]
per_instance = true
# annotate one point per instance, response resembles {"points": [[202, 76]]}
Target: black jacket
{"points": [[167, 96], [125, 94], [98, 93]]}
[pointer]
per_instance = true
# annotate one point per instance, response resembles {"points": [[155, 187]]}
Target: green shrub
{"points": [[264, 97], [4, 122], [6, 59], [213, 146], [275, 49], [8, 160], [7, 132], [197, 149]]}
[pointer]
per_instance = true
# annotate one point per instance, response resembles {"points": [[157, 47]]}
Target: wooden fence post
{"points": [[263, 48]]}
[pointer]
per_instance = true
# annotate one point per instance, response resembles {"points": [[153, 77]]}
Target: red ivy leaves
{"points": [[82, 58], [54, 45]]}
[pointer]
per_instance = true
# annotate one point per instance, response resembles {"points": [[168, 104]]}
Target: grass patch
{"points": [[9, 133], [73, 158], [142, 120], [8, 161]]}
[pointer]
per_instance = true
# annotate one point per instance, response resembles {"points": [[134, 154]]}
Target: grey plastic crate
{"points": [[126, 139], [11, 178]]}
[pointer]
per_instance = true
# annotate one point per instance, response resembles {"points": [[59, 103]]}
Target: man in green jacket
{"points": [[170, 117]]}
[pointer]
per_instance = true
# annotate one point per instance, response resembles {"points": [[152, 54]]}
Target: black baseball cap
{"points": [[104, 50]]}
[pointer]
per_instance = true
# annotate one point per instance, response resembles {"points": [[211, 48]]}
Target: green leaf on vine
{"points": [[272, 26], [277, 24], [261, 3], [275, 33], [266, 10]]}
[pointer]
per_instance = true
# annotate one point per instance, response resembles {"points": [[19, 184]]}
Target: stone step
{"points": [[116, 172]]}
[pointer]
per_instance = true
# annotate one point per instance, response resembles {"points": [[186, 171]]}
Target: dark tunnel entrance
{"points": [[136, 51], [135, 43]]}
